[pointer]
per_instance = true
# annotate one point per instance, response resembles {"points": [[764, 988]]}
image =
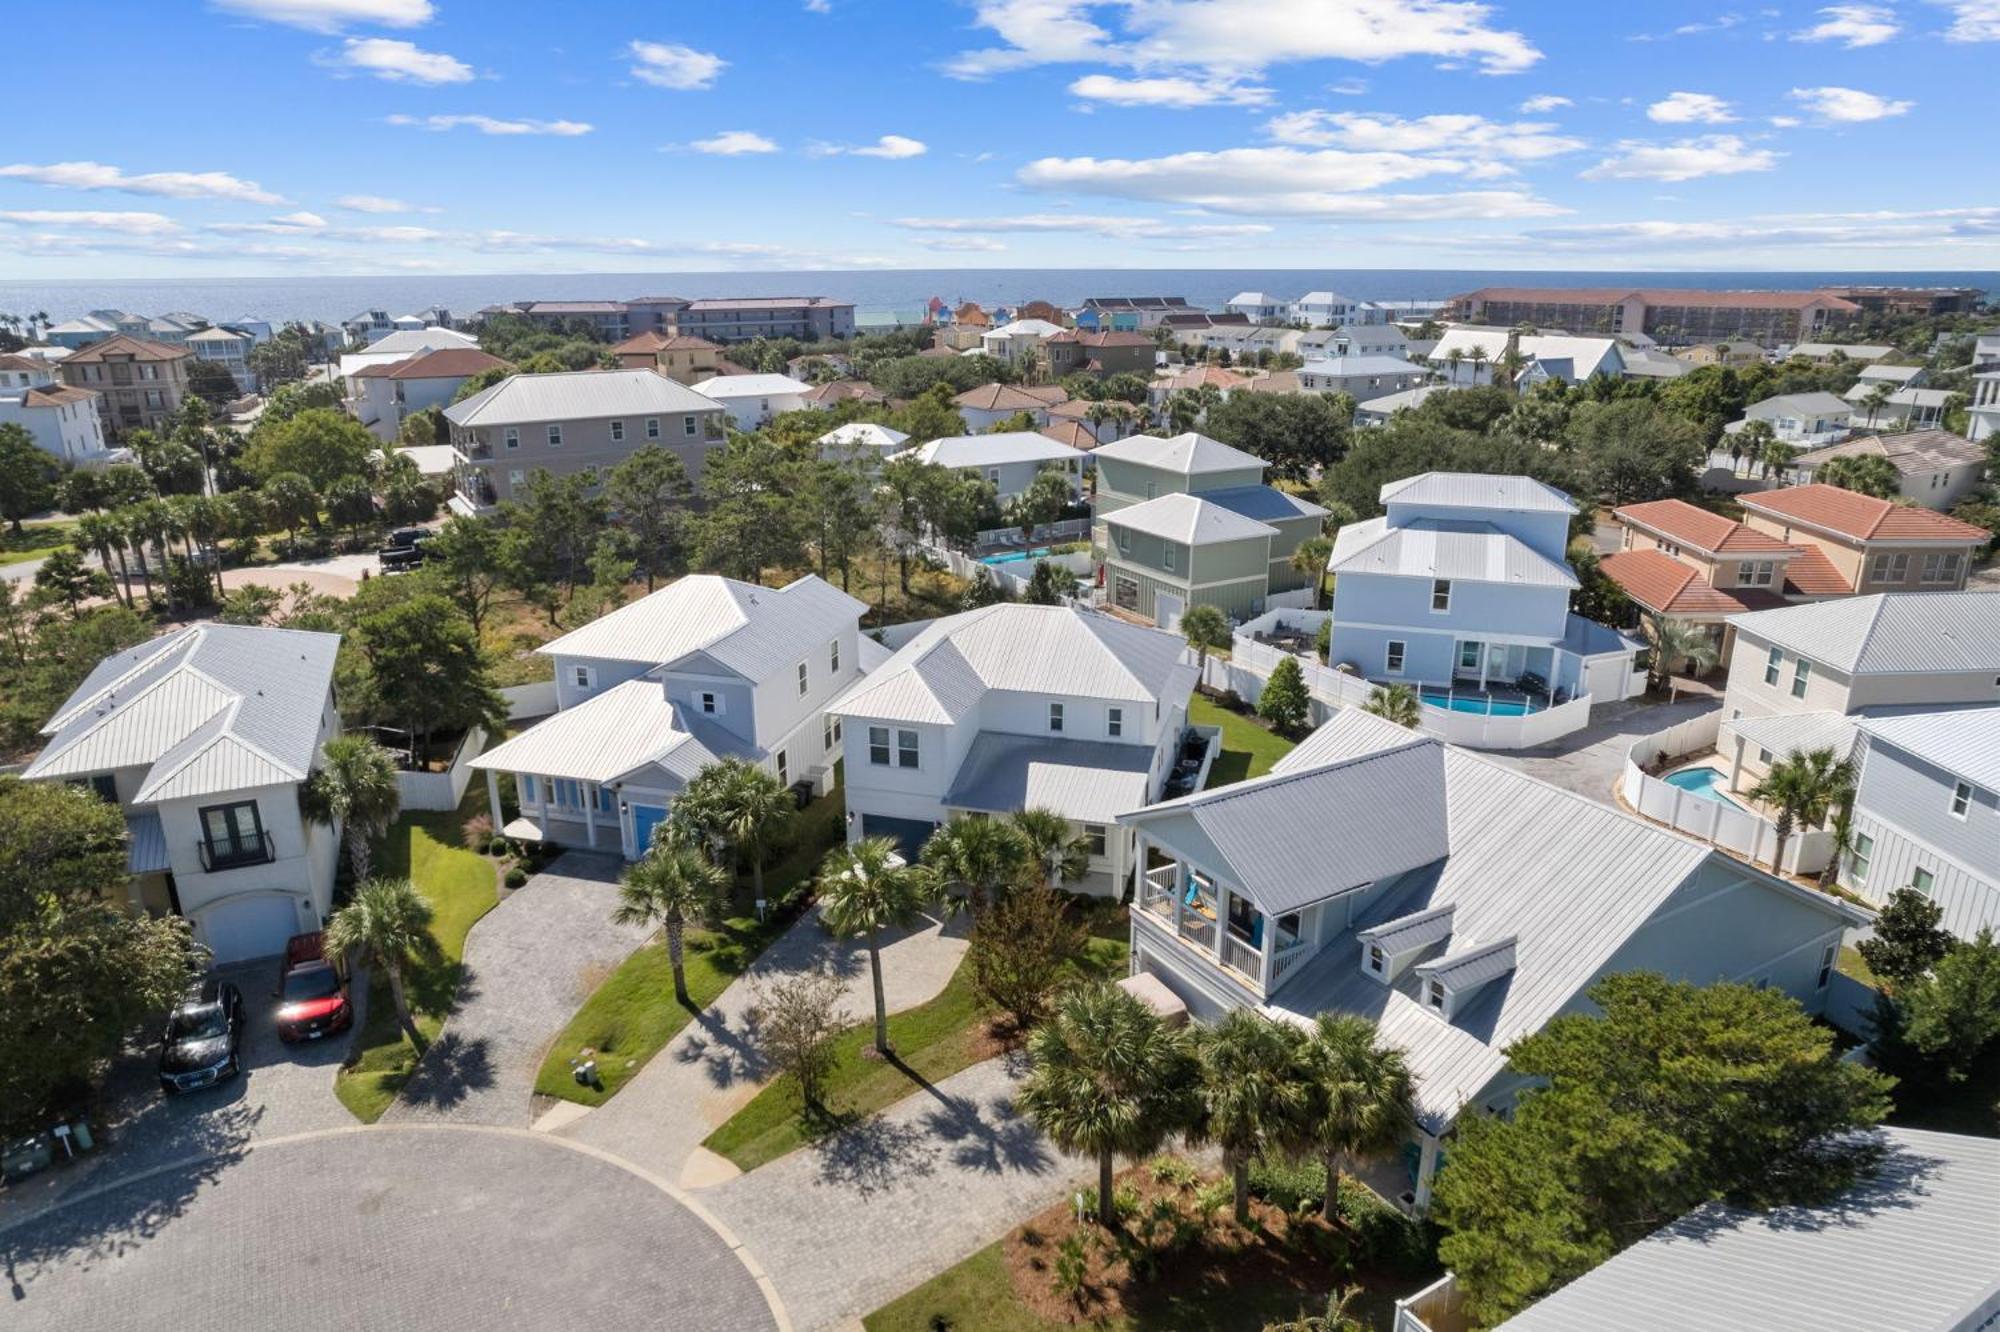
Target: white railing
{"points": [[1247, 961], [1723, 824], [1198, 929], [1438, 1307], [1068, 529], [1156, 891], [1286, 958]]}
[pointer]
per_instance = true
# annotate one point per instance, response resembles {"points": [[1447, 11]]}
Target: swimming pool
{"points": [[1014, 556], [1702, 781], [1484, 704]]}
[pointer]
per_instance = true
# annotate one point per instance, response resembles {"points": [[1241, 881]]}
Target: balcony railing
{"points": [[1288, 957], [1198, 929], [1239, 956], [235, 853]]}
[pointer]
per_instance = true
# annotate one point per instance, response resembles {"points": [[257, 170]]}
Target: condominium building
{"points": [[739, 319], [139, 384], [1665, 314]]}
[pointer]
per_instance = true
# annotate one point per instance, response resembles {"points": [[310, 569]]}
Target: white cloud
{"points": [[491, 125], [1847, 106], [1684, 159], [964, 244], [287, 224], [333, 15], [400, 62], [376, 203], [1690, 108], [170, 184], [129, 224], [1973, 20], [670, 65], [893, 146], [1852, 26], [1173, 92], [1237, 38], [1939, 228], [300, 219], [1373, 131], [734, 143], [1348, 87], [1786, 122], [1543, 102], [1118, 228]]}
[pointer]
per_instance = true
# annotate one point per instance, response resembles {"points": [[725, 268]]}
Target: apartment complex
{"points": [[807, 318], [1665, 314], [139, 384]]}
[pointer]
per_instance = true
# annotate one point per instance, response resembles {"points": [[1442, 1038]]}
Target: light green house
{"points": [[1188, 521]]}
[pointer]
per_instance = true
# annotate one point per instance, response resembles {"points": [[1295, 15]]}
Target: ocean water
{"points": [[336, 298]]}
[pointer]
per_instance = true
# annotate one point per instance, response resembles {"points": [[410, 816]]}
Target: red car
{"points": [[312, 992]]}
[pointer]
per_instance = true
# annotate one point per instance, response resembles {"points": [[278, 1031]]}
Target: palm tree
{"points": [[103, 534], [1061, 853], [1310, 560], [739, 807], [1252, 1100], [865, 889], [1776, 456], [1804, 789], [1454, 358], [1876, 399], [1206, 628], [1359, 1098], [1108, 1077], [388, 921], [1397, 703], [979, 856], [355, 787], [1678, 640], [1755, 437], [1478, 359], [671, 886]]}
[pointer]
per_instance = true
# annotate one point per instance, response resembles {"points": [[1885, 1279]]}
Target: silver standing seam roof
{"points": [[1478, 490], [1089, 781], [750, 630], [1191, 520], [1888, 633], [1188, 453], [578, 395], [1465, 551], [1963, 741], [616, 734], [1798, 732]]}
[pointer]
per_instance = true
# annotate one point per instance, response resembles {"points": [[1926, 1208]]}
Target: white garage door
{"points": [[249, 927]]}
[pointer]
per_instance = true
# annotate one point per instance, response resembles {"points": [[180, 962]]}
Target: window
{"points": [[1434, 994], [829, 732], [1441, 594], [1772, 665], [607, 803], [711, 702], [516, 477], [1923, 880], [1826, 956], [1941, 568], [233, 835], [833, 656], [513, 437], [1801, 677], [878, 746], [993, 475], [555, 436], [1961, 799], [784, 769], [106, 787], [1394, 662], [1468, 656], [617, 431], [582, 677], [528, 788], [1763, 756], [1858, 857], [906, 749], [1757, 573], [652, 427], [1378, 961], [1124, 536], [1167, 556], [805, 680], [1055, 716], [688, 426], [1889, 568], [1114, 722], [1096, 836]]}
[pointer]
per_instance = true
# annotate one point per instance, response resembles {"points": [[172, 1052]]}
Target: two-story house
{"points": [[63, 421], [681, 357], [1013, 343], [705, 669], [398, 347], [749, 402], [1803, 420], [1189, 521], [1454, 901], [1360, 376], [1927, 811], [228, 348], [389, 393], [1689, 563], [988, 405], [139, 384], [1078, 352], [1330, 309], [1462, 584], [1934, 468], [1013, 707], [1874, 545], [203, 736], [1009, 460], [565, 423]]}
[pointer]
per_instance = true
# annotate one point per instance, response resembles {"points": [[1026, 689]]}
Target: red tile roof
{"points": [[1811, 574], [53, 396], [1661, 583], [1072, 433], [446, 363], [1861, 517], [121, 344], [1691, 525]]}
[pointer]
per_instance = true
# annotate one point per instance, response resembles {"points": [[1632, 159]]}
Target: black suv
{"points": [[203, 1037]]}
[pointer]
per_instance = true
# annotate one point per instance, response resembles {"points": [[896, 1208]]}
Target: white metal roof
{"points": [[1910, 1248], [1430, 548], [1009, 446], [863, 434], [206, 709], [1390, 403], [1088, 781], [942, 674], [1587, 356], [1798, 404], [1478, 490], [577, 395], [1351, 367], [1492, 341], [1190, 454], [1888, 633], [1798, 732], [757, 632], [1962, 741], [727, 388], [1190, 520], [620, 731], [1025, 328]]}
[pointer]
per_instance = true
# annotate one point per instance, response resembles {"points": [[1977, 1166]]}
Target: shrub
{"points": [[1295, 1187], [1071, 1266], [1213, 1196], [1177, 1172], [1018, 949], [516, 877], [477, 832], [497, 847]]}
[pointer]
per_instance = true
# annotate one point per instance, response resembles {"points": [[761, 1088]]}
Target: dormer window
{"points": [[1377, 961], [1055, 716], [1436, 996], [710, 702]]}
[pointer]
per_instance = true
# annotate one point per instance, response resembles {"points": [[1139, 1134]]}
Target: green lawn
{"points": [[461, 886], [631, 1016], [1248, 750], [34, 541], [932, 1041]]}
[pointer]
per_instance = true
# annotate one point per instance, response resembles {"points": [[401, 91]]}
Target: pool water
{"points": [[1014, 556], [1705, 782], [1479, 703]]}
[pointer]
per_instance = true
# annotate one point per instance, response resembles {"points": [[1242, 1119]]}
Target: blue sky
{"points": [[246, 137]]}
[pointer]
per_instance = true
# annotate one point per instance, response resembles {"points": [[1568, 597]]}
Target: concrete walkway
{"points": [[530, 963], [849, 1224], [706, 1073], [1591, 761]]}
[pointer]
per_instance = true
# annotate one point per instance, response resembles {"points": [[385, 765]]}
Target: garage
{"points": [[244, 927], [909, 834]]}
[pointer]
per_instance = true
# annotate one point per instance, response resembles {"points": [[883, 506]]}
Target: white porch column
{"points": [[589, 790], [493, 798], [1270, 952], [1180, 891], [542, 801], [1221, 918], [1426, 1171]]}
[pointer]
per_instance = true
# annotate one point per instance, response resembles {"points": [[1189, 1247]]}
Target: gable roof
{"points": [[206, 709], [1192, 520], [941, 674], [1963, 741], [1009, 446], [1897, 633], [863, 434], [1801, 404], [124, 344], [576, 395], [757, 632], [1473, 552], [614, 734], [1659, 582], [1478, 490], [1692, 525], [1861, 517], [1008, 398], [410, 340], [1189, 453], [751, 386], [1912, 451], [446, 363]]}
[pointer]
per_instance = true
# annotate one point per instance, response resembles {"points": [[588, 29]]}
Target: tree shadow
{"points": [[451, 1070], [872, 1155], [728, 1056], [989, 1138]]}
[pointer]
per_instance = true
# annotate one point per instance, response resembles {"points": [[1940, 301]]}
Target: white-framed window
{"points": [[1801, 677], [1435, 994], [516, 477], [1669, 548], [583, 676], [688, 427], [652, 427], [1055, 716], [1858, 857], [906, 749], [1961, 799], [1377, 961], [1773, 664], [805, 680], [829, 732], [878, 746], [993, 475], [617, 432], [1393, 658], [1167, 556], [1114, 722], [1941, 568], [1889, 568], [513, 437], [833, 657], [555, 435], [1468, 656], [1923, 880], [784, 769], [1124, 536], [1441, 594], [1763, 755], [710, 701], [1097, 837], [528, 788], [1826, 957], [1757, 573]]}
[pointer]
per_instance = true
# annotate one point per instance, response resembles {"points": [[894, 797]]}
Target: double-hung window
{"points": [[1826, 957], [582, 677], [1858, 857], [1114, 723], [711, 702], [1167, 556], [688, 426], [1441, 594], [829, 732], [878, 746], [555, 436], [1961, 799], [617, 432], [1378, 962], [833, 657], [1055, 716], [1773, 664], [1801, 677], [1393, 662], [1094, 834], [784, 769], [805, 681], [1923, 880], [906, 749], [513, 437], [652, 427]]}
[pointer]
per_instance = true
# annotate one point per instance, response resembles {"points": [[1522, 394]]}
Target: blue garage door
{"points": [[644, 819], [910, 834]]}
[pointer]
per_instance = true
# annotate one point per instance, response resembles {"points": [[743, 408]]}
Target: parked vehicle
{"points": [[408, 538], [312, 993], [399, 559], [204, 1037]]}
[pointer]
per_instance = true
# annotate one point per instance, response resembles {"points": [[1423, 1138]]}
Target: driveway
{"points": [[713, 1067], [427, 1229], [1591, 761], [530, 963]]}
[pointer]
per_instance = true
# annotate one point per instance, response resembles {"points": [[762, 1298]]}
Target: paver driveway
{"points": [[416, 1228], [530, 963]]}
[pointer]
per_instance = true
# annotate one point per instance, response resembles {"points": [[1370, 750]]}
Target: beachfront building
{"points": [[743, 318], [1664, 314], [139, 383]]}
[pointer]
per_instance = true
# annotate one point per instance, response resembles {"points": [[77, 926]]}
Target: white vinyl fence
{"points": [[443, 790], [1069, 529], [1728, 826], [530, 700]]}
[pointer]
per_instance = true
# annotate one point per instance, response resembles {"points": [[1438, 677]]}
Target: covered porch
{"points": [[562, 811], [1255, 950]]}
